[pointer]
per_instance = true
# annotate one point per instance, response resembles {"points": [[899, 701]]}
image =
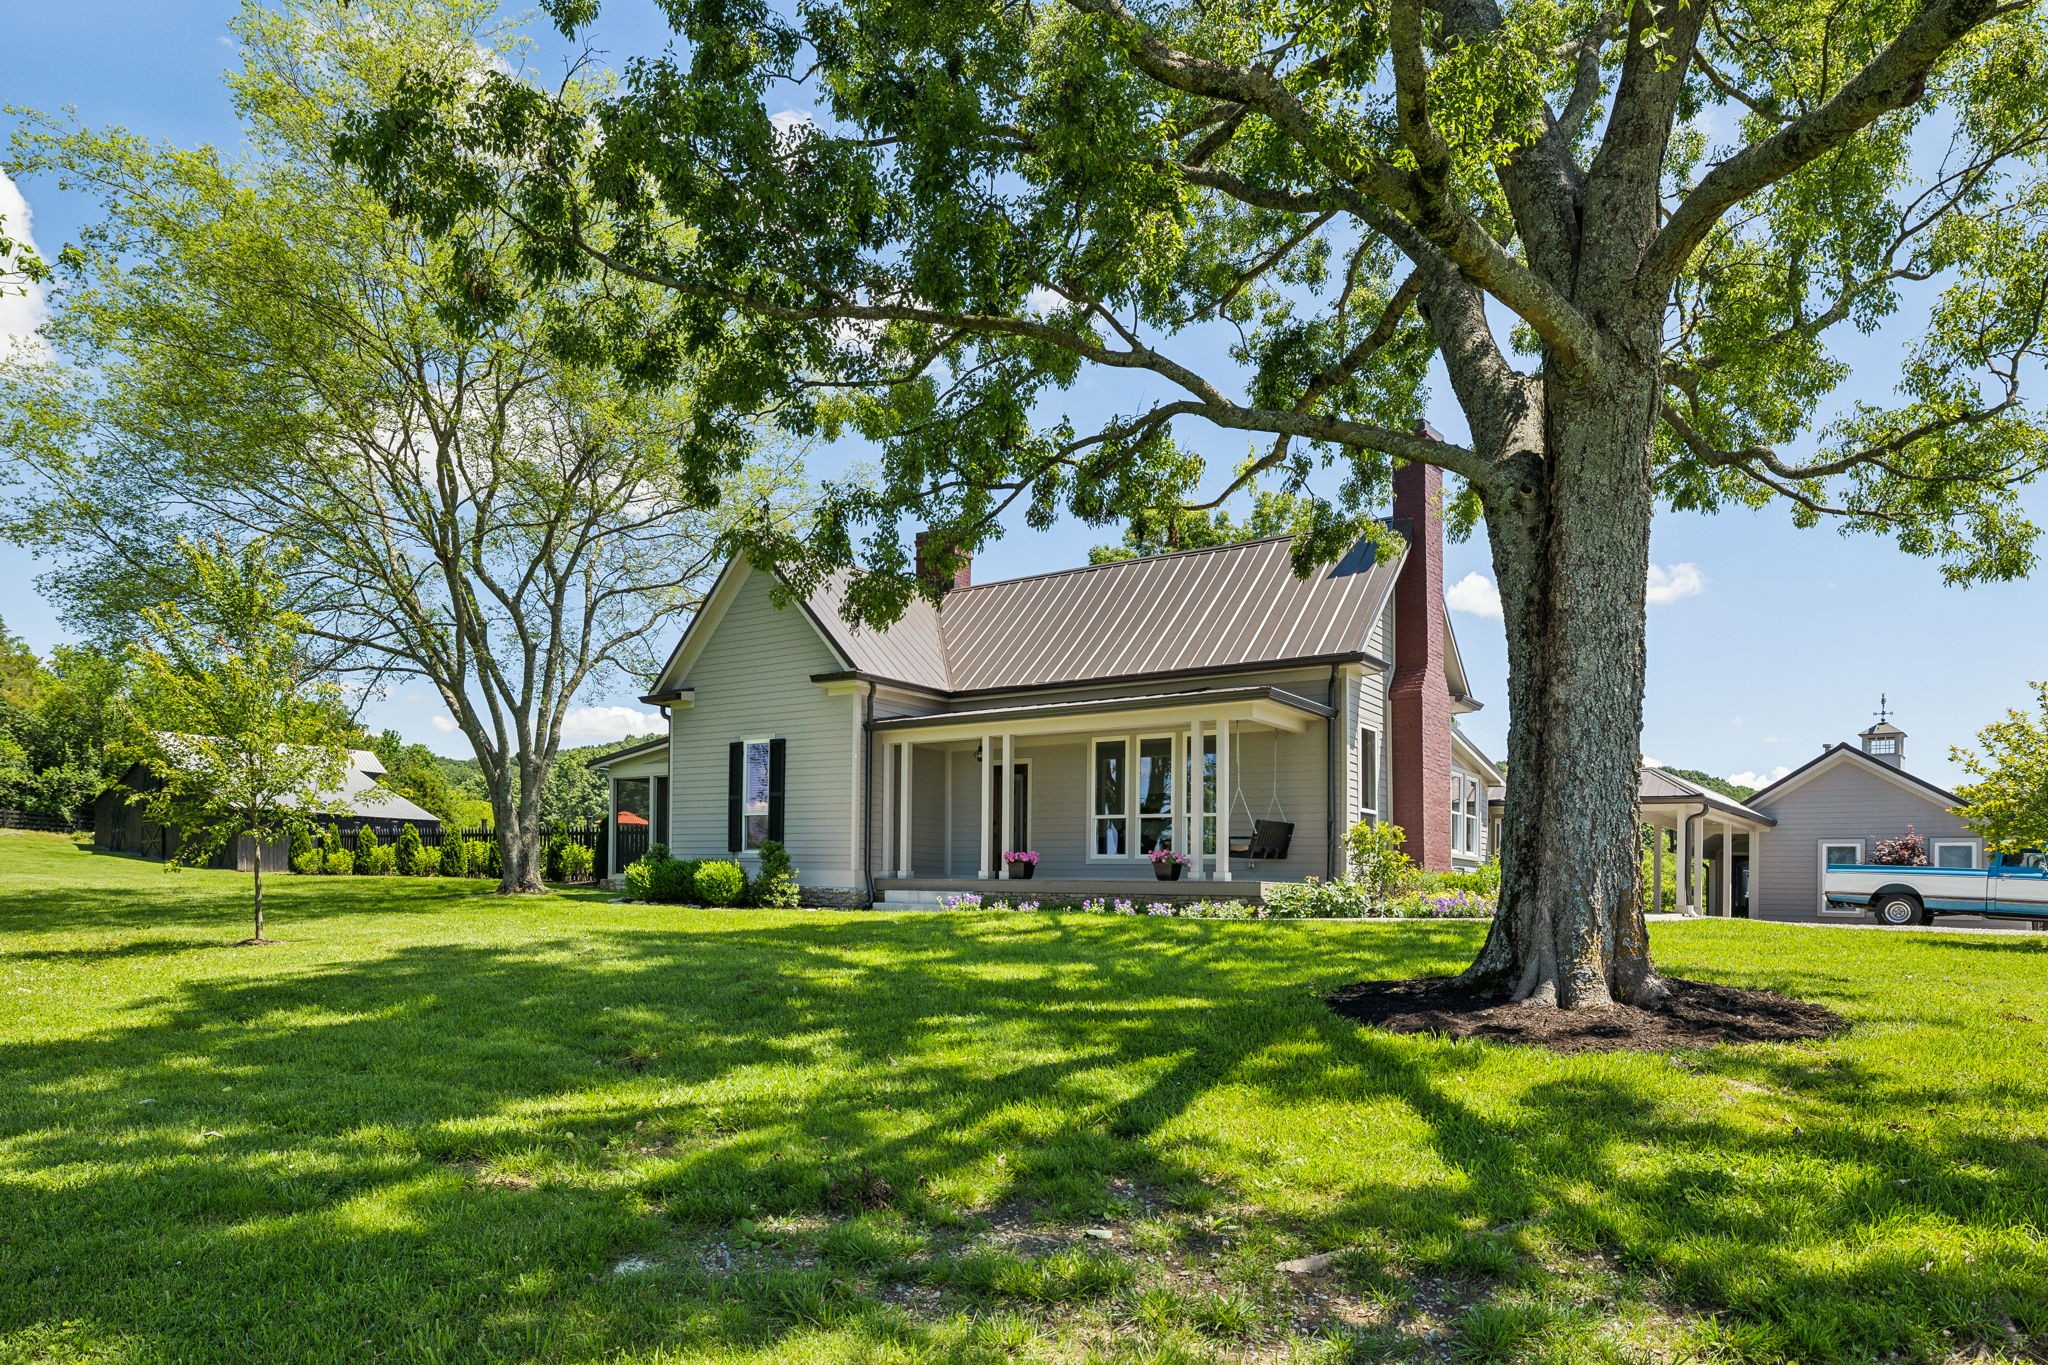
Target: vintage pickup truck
{"points": [[2015, 886]]}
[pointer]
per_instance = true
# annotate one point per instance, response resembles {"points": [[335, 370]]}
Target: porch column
{"points": [[987, 766], [611, 833], [1682, 861], [1756, 871], [905, 819], [1008, 798], [1178, 793], [1223, 790], [1656, 869], [1726, 908], [888, 807]]}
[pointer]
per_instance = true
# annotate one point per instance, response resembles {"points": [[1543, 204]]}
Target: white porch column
{"points": [[987, 766], [888, 831], [906, 820], [611, 837], [1223, 790], [1656, 869], [1756, 871], [1682, 860], [1178, 788], [1726, 908], [1008, 799]]}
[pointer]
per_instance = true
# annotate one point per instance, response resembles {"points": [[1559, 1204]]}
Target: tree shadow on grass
{"points": [[441, 1151]]}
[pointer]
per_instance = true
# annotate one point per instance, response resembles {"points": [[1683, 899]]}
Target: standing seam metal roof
{"points": [[1230, 606]]}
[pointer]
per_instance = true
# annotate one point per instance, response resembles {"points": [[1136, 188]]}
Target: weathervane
{"points": [[1883, 711]]}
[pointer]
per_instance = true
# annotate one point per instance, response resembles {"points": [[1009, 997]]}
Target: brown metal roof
{"points": [[1228, 607]]}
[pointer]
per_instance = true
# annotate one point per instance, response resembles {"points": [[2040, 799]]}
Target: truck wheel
{"points": [[2041, 926], [1898, 909]]}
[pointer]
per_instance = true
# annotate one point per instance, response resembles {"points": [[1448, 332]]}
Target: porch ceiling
{"points": [[1270, 706]]}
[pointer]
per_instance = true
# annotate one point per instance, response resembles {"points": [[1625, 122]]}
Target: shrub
{"points": [[381, 861], [305, 853], [720, 883], [453, 863], [1904, 850], [482, 857], [775, 886], [1377, 862], [1483, 880], [339, 862], [405, 852], [576, 861], [640, 880], [1318, 899], [429, 863], [366, 850], [675, 880]]}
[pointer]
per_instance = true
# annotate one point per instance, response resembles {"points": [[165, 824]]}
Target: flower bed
{"points": [[1289, 900]]}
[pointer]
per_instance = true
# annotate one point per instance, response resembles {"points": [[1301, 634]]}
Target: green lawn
{"points": [[434, 1125]]}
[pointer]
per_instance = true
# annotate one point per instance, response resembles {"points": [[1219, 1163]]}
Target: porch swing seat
{"points": [[1268, 840]]}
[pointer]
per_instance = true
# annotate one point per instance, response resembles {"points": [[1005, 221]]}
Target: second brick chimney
{"points": [[1419, 694], [961, 577]]}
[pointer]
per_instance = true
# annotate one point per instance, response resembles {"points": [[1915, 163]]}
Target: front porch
{"points": [[1712, 840], [1093, 787]]}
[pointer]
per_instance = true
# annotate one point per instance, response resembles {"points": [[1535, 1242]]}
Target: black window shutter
{"points": [[735, 788], [778, 765]]}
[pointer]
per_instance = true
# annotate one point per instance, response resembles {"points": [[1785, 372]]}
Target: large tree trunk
{"points": [[1570, 546], [519, 852]]}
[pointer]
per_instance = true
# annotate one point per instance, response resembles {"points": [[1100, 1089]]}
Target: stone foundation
{"points": [[832, 898]]}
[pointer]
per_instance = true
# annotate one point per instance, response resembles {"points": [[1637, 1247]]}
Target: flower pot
{"points": [[1166, 872], [1021, 872]]}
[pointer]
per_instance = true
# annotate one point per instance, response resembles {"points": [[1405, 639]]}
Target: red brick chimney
{"points": [[962, 577], [1419, 695]]}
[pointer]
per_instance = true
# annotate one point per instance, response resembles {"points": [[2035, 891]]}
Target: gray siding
{"points": [[1848, 801], [753, 680]]}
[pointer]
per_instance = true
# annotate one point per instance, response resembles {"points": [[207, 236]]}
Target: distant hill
{"points": [[1733, 790]]}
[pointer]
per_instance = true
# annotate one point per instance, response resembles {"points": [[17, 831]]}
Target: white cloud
{"points": [[590, 724], [444, 725], [1668, 585], [1649, 762], [790, 121], [1758, 779], [20, 313], [1475, 595]]}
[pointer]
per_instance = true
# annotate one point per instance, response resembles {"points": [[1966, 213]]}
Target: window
{"points": [[1457, 810], [1955, 853], [1369, 775], [754, 795], [1884, 746], [1112, 827], [1471, 815], [1155, 793]]}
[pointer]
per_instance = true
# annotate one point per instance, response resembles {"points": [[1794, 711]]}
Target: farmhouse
{"points": [[1206, 701]]}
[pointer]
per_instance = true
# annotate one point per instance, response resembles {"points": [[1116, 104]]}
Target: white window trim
{"points": [[747, 742], [1130, 818], [1820, 853], [1368, 773], [1976, 847]]}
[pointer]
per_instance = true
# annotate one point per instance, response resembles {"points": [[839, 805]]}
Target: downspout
{"points": [[867, 792], [1331, 853]]}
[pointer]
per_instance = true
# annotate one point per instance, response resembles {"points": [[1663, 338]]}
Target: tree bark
{"points": [[518, 832], [257, 937], [1570, 539]]}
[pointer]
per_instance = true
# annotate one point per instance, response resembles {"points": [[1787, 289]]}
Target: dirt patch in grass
{"points": [[1698, 1014]]}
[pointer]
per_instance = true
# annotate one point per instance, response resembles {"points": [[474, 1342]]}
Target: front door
{"points": [[1012, 798]]}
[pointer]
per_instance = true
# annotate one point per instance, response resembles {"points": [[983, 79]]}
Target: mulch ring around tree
{"points": [[1698, 1014]]}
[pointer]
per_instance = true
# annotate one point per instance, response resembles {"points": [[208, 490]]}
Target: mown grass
{"points": [[434, 1125]]}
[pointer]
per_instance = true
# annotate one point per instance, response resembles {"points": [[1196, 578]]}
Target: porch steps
{"points": [[923, 894]]}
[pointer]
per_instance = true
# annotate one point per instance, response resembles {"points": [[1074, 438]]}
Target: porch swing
{"points": [[1269, 838]]}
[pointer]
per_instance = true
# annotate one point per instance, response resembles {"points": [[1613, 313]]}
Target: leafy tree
{"points": [[60, 726], [1273, 513], [20, 266], [405, 853], [2007, 802], [577, 794], [242, 734], [416, 773], [1734, 791], [269, 354], [1668, 206]]}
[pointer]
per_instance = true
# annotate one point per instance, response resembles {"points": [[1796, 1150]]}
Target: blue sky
{"points": [[1766, 642]]}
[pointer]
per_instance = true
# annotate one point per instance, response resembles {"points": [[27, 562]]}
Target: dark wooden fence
{"points": [[47, 824], [590, 836]]}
